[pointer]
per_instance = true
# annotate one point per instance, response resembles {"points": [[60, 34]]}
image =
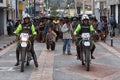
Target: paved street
{"points": [[67, 18], [53, 65]]}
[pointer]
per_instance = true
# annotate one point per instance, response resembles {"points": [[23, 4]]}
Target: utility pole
{"points": [[47, 5], [93, 6], [75, 7], [69, 9], [16, 9], [34, 7], [83, 6]]}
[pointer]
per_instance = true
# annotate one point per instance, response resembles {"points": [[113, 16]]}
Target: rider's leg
{"points": [[92, 50], [34, 55], [34, 58], [78, 52], [78, 48], [17, 56]]}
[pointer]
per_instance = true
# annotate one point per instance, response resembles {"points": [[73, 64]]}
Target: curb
{"points": [[8, 44]]}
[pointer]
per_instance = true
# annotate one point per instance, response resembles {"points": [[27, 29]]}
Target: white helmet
{"points": [[26, 16], [85, 17]]}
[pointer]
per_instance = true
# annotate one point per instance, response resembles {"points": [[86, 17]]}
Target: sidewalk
{"points": [[116, 41], [6, 40]]}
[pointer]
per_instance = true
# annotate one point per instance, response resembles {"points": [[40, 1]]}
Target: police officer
{"points": [[85, 26], [28, 27]]}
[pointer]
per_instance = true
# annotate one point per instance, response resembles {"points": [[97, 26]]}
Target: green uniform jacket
{"points": [[79, 28], [19, 28]]}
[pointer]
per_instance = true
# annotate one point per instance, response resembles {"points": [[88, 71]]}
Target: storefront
{"points": [[113, 11], [3, 22]]}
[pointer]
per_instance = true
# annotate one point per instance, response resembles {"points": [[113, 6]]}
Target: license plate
{"points": [[87, 43], [23, 44]]}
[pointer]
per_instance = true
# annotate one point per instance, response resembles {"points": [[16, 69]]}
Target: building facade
{"points": [[114, 6], [7, 11], [3, 16], [107, 8], [100, 8]]}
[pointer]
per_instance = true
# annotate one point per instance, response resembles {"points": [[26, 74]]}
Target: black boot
{"points": [[92, 57], [35, 59], [17, 57], [78, 52], [27, 64]]}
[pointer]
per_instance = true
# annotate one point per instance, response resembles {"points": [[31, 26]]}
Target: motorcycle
{"points": [[85, 53], [25, 46]]}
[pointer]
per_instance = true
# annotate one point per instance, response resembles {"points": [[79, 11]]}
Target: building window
{"points": [[1, 1]]}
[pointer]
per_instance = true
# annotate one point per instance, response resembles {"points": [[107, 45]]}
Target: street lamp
{"points": [[34, 7], [75, 7], [69, 8], [83, 6], [16, 9]]}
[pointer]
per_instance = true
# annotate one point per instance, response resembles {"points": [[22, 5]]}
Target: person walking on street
{"points": [[113, 25], [10, 27], [56, 27], [50, 39], [67, 36]]}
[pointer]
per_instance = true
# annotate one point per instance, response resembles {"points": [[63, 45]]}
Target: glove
{"points": [[17, 38], [34, 37], [95, 33]]}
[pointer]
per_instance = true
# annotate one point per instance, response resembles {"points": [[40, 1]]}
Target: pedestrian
{"points": [[67, 36], [40, 30], [56, 27], [50, 39], [17, 23], [112, 22], [8, 28]]}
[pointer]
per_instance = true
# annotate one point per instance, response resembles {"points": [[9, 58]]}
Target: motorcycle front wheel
{"points": [[87, 60], [23, 55]]}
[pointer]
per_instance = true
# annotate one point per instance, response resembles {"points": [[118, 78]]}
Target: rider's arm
{"points": [[19, 28], [92, 29], [77, 29], [33, 30]]}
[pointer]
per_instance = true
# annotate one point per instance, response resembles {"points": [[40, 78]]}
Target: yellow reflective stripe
{"points": [[77, 29], [91, 28], [19, 28], [33, 30]]}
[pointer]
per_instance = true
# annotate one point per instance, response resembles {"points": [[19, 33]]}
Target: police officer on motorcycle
{"points": [[28, 27], [84, 27]]}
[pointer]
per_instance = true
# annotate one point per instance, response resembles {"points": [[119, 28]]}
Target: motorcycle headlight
{"points": [[24, 39]]}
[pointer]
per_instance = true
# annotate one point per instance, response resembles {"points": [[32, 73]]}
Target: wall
{"points": [[3, 4]]}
